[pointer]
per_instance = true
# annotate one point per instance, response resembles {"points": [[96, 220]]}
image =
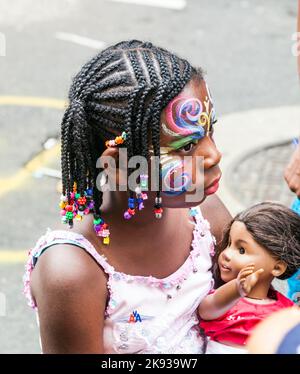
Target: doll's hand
{"points": [[246, 279]]}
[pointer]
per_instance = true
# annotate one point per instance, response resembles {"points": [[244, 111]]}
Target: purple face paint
{"points": [[188, 118], [175, 180]]}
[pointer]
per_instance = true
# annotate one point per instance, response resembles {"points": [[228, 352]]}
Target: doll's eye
{"points": [[242, 251]]}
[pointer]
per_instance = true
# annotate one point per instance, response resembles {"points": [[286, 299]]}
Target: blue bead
{"points": [[89, 192]]}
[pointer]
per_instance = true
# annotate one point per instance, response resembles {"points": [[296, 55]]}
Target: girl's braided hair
{"points": [[123, 88]]}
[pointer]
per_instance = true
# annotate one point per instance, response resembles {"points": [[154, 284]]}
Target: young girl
{"points": [[127, 279], [260, 244]]}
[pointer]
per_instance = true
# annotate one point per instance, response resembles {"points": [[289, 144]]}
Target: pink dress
{"points": [[145, 314]]}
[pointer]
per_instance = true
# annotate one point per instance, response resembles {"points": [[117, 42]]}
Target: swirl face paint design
{"points": [[189, 119], [175, 180]]}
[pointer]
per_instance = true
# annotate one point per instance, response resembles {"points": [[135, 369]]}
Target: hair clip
{"points": [[118, 140]]}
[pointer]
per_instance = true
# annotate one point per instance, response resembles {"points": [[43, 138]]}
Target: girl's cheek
{"points": [[175, 178]]}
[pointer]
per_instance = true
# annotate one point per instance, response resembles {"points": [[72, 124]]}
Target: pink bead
{"points": [[86, 211], [72, 195], [127, 215], [144, 196], [62, 212]]}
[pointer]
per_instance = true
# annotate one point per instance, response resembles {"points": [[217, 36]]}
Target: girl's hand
{"points": [[246, 279]]}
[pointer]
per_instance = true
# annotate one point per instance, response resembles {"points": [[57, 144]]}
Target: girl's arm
{"points": [[70, 291], [225, 297]]}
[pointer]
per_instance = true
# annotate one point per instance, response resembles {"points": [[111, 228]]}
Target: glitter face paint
{"points": [[188, 119], [175, 180]]}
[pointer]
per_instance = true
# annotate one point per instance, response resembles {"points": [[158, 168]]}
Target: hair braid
{"points": [[123, 88]]}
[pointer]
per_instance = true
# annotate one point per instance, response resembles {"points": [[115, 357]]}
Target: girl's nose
{"points": [[212, 156]]}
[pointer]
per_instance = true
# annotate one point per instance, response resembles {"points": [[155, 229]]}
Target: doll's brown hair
{"points": [[273, 226]]}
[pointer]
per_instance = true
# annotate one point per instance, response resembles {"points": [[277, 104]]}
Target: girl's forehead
{"points": [[189, 113]]}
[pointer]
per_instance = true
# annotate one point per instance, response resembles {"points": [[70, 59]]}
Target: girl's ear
{"points": [[279, 268], [111, 152], [115, 170]]}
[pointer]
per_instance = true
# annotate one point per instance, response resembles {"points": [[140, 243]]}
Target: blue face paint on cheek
{"points": [[175, 180]]}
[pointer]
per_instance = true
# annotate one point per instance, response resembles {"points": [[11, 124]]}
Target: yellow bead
{"points": [[62, 204], [106, 240], [78, 217]]}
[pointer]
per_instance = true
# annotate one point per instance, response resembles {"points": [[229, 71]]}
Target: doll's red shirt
{"points": [[236, 325]]}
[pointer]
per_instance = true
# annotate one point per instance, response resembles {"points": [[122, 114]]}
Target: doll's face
{"points": [[189, 156], [241, 251]]}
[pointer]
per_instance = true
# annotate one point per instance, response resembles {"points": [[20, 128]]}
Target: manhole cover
{"points": [[258, 176]]}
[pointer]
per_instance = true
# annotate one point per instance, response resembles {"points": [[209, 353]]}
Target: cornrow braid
{"points": [[122, 89]]}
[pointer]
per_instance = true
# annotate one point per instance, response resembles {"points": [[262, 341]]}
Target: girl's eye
{"points": [[242, 251], [188, 147]]}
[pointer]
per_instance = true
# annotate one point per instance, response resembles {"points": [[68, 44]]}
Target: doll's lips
{"points": [[225, 267]]}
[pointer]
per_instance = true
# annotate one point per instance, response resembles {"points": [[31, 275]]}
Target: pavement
{"points": [[244, 46], [254, 134]]}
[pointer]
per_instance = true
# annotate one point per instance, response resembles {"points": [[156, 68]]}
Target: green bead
{"points": [[97, 221], [69, 215], [77, 195]]}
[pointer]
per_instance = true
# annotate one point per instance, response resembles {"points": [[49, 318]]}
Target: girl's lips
{"points": [[212, 188]]}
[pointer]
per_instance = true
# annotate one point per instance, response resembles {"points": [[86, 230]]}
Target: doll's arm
{"points": [[224, 298]]}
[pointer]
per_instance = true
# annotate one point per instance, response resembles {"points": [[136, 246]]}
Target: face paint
{"points": [[177, 144], [189, 119], [175, 181]]}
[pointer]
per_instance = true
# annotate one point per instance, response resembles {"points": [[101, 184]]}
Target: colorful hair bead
{"points": [[140, 197], [144, 196], [158, 210], [144, 182], [129, 213], [101, 229], [131, 207], [117, 141], [77, 206], [131, 203]]}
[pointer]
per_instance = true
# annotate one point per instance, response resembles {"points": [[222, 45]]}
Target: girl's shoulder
{"points": [[215, 212], [61, 261], [69, 292]]}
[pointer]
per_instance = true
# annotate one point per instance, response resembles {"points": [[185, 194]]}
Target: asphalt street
{"points": [[245, 47]]}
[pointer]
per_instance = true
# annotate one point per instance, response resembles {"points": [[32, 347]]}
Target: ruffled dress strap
{"points": [[59, 237]]}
